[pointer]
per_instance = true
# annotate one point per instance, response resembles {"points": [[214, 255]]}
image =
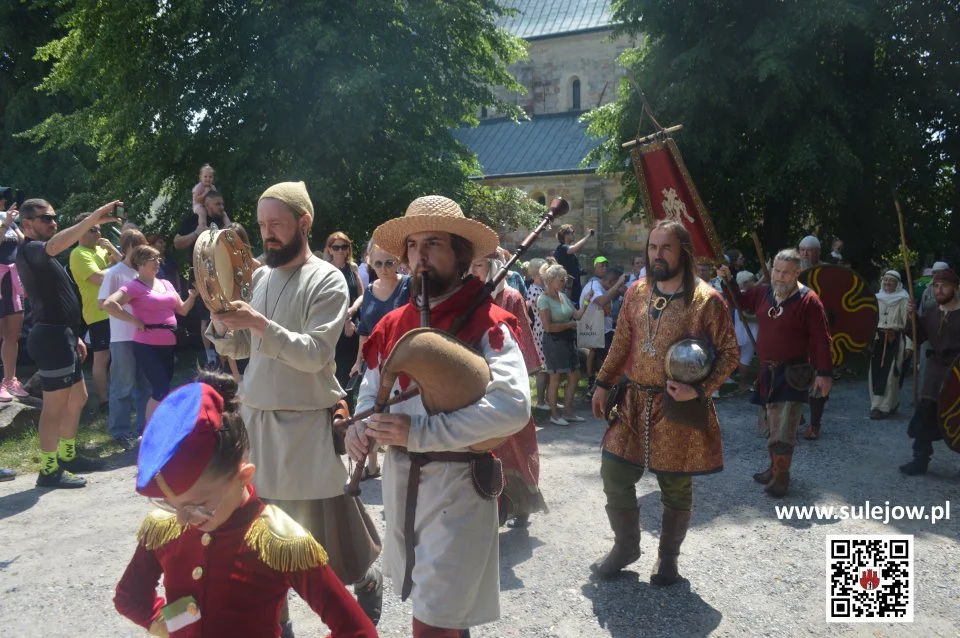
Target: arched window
{"points": [[575, 94]]}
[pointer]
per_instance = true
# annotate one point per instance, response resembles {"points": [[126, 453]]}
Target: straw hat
{"points": [[434, 213]]}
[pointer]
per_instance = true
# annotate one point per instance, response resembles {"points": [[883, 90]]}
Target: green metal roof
{"points": [[545, 18], [545, 145]]}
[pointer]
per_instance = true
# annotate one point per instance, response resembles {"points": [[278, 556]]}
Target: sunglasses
{"points": [[46, 219], [95, 229], [340, 247], [384, 264]]}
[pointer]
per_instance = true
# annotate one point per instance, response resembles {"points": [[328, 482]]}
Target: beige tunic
{"points": [[289, 385], [894, 315], [456, 575]]}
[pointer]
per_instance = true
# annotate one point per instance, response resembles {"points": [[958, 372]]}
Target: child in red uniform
{"points": [[227, 559]]}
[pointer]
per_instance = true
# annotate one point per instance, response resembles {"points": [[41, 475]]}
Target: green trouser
{"points": [[620, 486]]}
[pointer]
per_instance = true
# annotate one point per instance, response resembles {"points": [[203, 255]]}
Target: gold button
{"points": [[197, 573], [205, 540]]}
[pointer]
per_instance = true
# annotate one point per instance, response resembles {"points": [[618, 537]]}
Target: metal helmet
{"points": [[689, 361]]}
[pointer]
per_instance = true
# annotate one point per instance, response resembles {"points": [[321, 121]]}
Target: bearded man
{"points": [[441, 546], [668, 427], [289, 330], [809, 250], [940, 327], [794, 351]]}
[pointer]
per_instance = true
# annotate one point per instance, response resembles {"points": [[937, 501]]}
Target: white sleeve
{"points": [[234, 343], [368, 390], [107, 286], [504, 409]]}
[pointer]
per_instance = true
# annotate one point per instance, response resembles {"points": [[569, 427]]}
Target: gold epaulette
{"points": [[158, 529], [282, 543]]}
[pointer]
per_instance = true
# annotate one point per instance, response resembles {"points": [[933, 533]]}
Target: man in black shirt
{"points": [[54, 342], [566, 256], [190, 230]]}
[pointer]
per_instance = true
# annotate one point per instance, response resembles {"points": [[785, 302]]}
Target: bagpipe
{"points": [[431, 358]]}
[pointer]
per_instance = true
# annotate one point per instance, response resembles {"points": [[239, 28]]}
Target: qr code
{"points": [[870, 578]]}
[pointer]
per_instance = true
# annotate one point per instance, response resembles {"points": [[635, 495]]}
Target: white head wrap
{"points": [[897, 294], [810, 242]]}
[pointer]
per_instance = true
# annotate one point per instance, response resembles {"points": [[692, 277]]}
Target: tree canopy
{"points": [[815, 111], [356, 98], [62, 175]]}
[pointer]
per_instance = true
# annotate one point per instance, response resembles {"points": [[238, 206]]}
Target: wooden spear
{"points": [[913, 315], [757, 246]]}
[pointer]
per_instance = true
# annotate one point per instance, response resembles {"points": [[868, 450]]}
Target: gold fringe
{"points": [[158, 529], [283, 544]]}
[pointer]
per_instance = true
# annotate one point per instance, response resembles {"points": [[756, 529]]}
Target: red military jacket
{"points": [[239, 575]]}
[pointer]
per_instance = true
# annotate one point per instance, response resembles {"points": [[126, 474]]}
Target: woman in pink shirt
{"points": [[155, 304]]}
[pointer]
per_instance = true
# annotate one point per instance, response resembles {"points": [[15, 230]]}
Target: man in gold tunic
{"points": [[668, 305]]}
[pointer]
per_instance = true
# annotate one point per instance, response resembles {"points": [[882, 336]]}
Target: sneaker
{"points": [[6, 475], [81, 463], [5, 396], [16, 388], [575, 419], [559, 421], [61, 479], [543, 406]]}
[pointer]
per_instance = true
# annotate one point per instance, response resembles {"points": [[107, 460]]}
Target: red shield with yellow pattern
{"points": [[668, 192], [948, 408], [851, 308]]}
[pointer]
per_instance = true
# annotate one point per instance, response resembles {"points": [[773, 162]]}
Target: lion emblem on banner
{"points": [[673, 207]]}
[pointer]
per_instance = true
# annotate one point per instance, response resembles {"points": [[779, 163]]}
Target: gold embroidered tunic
{"points": [[675, 449]]}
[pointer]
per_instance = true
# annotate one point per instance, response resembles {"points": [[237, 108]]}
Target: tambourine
{"points": [[223, 268]]}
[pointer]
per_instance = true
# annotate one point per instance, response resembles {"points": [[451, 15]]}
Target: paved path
{"points": [[61, 553]]}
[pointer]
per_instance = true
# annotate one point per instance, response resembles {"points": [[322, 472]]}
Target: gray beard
{"points": [[806, 264], [780, 291]]}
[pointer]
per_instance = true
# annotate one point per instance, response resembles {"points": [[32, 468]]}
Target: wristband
{"points": [[600, 384]]}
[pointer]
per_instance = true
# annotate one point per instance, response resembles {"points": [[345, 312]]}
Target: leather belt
{"points": [[417, 461], [160, 326]]}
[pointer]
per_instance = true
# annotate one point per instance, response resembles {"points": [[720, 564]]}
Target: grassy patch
{"points": [[22, 452]]}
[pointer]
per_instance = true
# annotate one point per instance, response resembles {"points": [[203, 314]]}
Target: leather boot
{"points": [[626, 542], [673, 529], [764, 477], [917, 466], [777, 487]]}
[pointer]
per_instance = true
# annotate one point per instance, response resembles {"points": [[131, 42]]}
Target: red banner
{"points": [[669, 193]]}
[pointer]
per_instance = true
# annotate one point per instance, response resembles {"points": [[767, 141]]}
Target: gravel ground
{"points": [[61, 553]]}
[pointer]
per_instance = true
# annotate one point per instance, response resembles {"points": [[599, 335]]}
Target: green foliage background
{"points": [[356, 98], [814, 110]]}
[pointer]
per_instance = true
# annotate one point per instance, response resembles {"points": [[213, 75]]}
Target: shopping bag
{"points": [[590, 328]]}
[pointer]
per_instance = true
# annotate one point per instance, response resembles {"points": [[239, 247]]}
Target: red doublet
{"points": [[800, 333], [237, 592]]}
